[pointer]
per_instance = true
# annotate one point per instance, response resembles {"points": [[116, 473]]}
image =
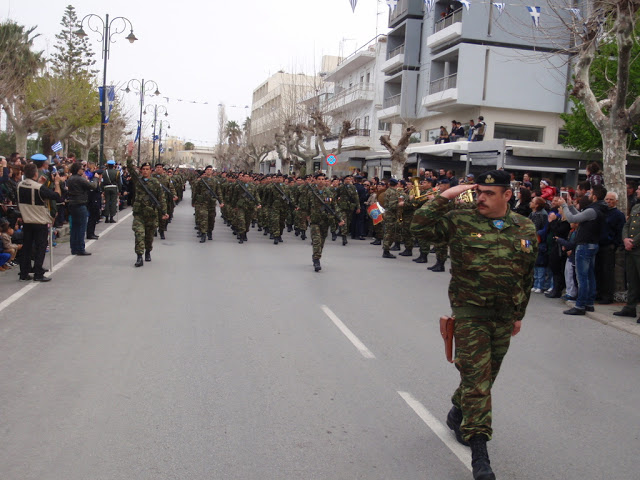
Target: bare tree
{"points": [[398, 152]]}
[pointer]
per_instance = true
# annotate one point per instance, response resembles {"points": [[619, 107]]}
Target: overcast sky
{"points": [[211, 50]]}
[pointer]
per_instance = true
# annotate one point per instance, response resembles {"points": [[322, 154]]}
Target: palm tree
{"points": [[232, 133]]}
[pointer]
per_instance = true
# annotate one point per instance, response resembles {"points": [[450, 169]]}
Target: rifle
{"points": [[326, 207], [284, 196], [213, 195], [248, 193], [168, 193], [146, 189]]}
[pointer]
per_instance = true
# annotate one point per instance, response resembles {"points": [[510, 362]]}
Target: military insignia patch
{"points": [[525, 246], [489, 179], [499, 224]]}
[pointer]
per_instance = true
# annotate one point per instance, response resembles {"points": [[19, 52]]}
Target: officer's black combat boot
{"points": [[316, 265], [240, 238], [244, 237], [147, 256], [275, 240], [210, 235], [396, 247], [422, 258], [253, 224], [289, 228], [139, 261], [334, 235], [297, 232], [203, 237], [155, 234], [259, 228], [303, 235], [387, 254], [480, 459], [377, 241], [408, 252], [344, 240], [162, 236], [438, 267], [454, 420]]}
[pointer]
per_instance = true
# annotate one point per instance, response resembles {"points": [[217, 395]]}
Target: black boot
{"points": [[377, 241], [480, 459], [240, 238], [155, 234], [203, 237], [162, 236], [386, 254], [454, 420], [297, 232], [244, 237], [334, 235], [289, 228], [626, 312], [408, 252], [396, 247], [553, 294], [344, 240], [422, 258], [438, 267], [266, 231], [139, 262], [147, 256], [316, 265], [210, 235], [259, 228], [275, 240], [303, 235]]}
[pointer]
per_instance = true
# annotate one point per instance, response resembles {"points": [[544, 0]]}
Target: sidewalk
{"points": [[604, 315]]}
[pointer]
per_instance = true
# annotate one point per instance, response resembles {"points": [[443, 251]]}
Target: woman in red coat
{"points": [[548, 192]]}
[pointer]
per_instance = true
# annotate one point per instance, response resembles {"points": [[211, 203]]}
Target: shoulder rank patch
{"points": [[525, 246]]}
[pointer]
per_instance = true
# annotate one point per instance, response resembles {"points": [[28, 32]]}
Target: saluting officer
{"points": [[493, 252]]}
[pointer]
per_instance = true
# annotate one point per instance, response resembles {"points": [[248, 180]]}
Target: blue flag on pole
{"points": [[535, 15], [137, 133], [56, 147], [111, 97]]}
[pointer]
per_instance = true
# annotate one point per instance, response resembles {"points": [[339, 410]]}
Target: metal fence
{"points": [[443, 83], [454, 17]]}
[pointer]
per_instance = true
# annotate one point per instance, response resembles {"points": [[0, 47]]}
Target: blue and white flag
{"points": [[466, 3], [161, 149], [392, 4], [111, 97], [576, 12], [155, 137], [500, 7], [535, 15], [56, 147], [137, 133], [430, 4], [353, 4]]}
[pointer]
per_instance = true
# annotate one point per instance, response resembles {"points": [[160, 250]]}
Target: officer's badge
{"points": [[489, 179], [525, 246], [499, 224]]}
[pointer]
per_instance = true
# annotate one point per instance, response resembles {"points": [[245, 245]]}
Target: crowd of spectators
{"points": [[474, 133]]}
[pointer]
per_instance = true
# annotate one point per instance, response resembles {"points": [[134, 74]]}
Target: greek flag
{"points": [[466, 3], [56, 147], [500, 7], [161, 149], [111, 97], [137, 133], [392, 4], [155, 138], [430, 4], [353, 4], [576, 12], [535, 15]]}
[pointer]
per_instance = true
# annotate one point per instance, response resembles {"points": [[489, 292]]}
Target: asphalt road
{"points": [[228, 361]]}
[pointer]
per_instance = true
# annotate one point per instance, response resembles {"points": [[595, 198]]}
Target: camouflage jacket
{"points": [[143, 204], [491, 267], [167, 184], [391, 199], [202, 195], [348, 200], [631, 229], [311, 204]]}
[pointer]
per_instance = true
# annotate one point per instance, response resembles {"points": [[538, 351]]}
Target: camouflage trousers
{"points": [[441, 252], [378, 231], [407, 236], [390, 231], [318, 236], [424, 246], [205, 217], [161, 224], [346, 216], [144, 226], [243, 218], [276, 221], [301, 220], [482, 342]]}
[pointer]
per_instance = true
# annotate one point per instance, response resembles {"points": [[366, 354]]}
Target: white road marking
{"points": [[30, 286], [463, 453], [366, 353]]}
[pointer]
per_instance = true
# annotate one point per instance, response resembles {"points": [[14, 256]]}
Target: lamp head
{"points": [[127, 90], [80, 33], [131, 37], [157, 92]]}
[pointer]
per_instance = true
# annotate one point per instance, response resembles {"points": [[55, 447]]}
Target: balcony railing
{"points": [[443, 84], [447, 21], [395, 52], [356, 132], [392, 101], [401, 8]]}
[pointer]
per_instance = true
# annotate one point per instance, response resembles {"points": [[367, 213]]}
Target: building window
{"points": [[356, 124], [524, 133], [366, 123], [415, 138], [361, 78], [368, 77], [432, 134], [562, 136], [384, 126]]}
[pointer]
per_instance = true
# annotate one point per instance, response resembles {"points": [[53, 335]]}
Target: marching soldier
{"points": [[170, 196], [440, 248], [493, 253], [206, 194], [394, 202], [149, 206], [348, 202], [245, 199]]}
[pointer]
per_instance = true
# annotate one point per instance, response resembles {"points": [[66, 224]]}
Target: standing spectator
{"points": [[631, 240], [632, 199], [539, 218], [78, 188], [471, 130], [569, 251], [526, 181], [590, 222], [610, 240], [479, 129], [548, 192], [523, 205], [558, 229], [32, 201], [594, 174], [360, 215]]}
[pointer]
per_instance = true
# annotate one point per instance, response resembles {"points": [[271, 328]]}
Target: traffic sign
{"points": [[331, 159]]}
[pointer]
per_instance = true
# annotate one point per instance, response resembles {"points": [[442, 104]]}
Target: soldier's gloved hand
{"points": [[516, 328]]}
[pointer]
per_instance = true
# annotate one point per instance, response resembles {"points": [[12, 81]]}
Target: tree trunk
{"points": [[398, 152], [21, 140], [614, 154]]}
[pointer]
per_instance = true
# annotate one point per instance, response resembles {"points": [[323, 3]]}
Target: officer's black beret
{"points": [[159, 165], [494, 178], [145, 164], [444, 180], [393, 182]]}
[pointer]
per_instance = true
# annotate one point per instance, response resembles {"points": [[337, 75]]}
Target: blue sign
{"points": [[331, 160]]}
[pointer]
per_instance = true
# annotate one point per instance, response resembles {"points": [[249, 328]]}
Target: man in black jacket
{"points": [[590, 221], [78, 197], [360, 214]]}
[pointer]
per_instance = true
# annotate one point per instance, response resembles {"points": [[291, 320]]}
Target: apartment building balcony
{"points": [[406, 9], [395, 60], [351, 64], [447, 29], [442, 91], [390, 107], [355, 139], [354, 96]]}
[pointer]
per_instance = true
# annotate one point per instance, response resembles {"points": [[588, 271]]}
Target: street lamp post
{"points": [[106, 37], [156, 109], [140, 86]]}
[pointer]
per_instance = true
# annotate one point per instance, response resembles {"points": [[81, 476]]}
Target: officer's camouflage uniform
{"points": [[145, 211], [169, 194], [391, 217], [492, 276], [319, 218], [244, 207], [205, 203], [348, 202], [631, 230]]}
